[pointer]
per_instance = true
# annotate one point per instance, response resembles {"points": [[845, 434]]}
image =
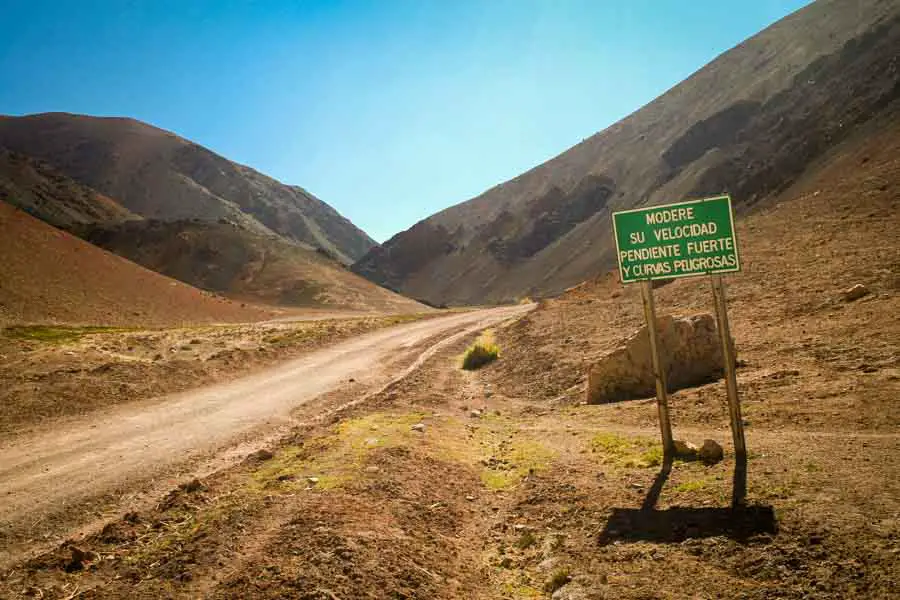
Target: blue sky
{"points": [[387, 110]]}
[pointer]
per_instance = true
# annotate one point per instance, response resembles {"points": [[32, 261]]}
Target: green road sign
{"points": [[676, 240]]}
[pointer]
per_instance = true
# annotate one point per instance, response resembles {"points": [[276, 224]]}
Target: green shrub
{"points": [[480, 354]]}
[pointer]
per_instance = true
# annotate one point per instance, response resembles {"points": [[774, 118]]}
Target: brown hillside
{"points": [[44, 192], [242, 264], [750, 123], [50, 276], [157, 174]]}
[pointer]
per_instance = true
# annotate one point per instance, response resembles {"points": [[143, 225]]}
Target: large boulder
{"points": [[691, 354]]}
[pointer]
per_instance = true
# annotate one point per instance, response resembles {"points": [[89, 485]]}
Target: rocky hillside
{"points": [[244, 265], [50, 276], [749, 123], [39, 189], [159, 175]]}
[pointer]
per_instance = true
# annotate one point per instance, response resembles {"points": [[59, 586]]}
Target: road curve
{"points": [[103, 452]]}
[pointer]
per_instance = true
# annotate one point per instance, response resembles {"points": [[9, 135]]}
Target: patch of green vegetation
{"points": [[524, 592], [691, 486], [627, 452], [526, 540], [57, 334], [484, 351], [337, 458], [520, 458], [773, 492]]}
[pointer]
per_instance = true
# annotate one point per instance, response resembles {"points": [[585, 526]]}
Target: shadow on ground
{"points": [[677, 524]]}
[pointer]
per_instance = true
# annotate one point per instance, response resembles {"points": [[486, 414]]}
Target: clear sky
{"points": [[387, 110]]}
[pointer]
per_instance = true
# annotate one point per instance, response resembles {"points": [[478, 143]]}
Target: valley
{"points": [[215, 385]]}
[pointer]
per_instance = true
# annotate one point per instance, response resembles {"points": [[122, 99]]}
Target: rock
{"points": [[711, 452], [548, 564], [260, 455], [855, 293], [79, 557], [690, 351], [312, 480], [419, 427], [475, 413], [685, 450], [372, 469], [572, 591], [194, 485], [470, 498]]}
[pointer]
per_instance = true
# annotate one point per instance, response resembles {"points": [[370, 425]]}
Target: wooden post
{"points": [[659, 371], [734, 405]]}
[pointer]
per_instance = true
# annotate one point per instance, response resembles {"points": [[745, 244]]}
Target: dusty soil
{"points": [[510, 503], [67, 473], [51, 372]]}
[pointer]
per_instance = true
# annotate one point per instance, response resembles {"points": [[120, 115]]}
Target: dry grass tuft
{"points": [[484, 351]]}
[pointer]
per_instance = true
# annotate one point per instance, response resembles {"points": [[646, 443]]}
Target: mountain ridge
{"points": [[159, 174], [743, 123]]}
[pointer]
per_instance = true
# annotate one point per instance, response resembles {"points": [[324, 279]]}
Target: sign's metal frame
{"points": [[725, 339]]}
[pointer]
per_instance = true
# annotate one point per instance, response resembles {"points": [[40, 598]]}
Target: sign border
{"points": [[737, 254]]}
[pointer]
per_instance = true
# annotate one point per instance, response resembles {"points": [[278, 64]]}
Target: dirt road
{"points": [[115, 449]]}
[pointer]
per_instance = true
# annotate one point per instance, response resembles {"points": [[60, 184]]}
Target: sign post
{"points": [[734, 405], [659, 370], [685, 239]]}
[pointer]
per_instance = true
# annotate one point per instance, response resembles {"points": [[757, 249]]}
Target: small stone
{"points": [[286, 477], [470, 498], [194, 485], [312, 480], [855, 293], [79, 557], [419, 427], [372, 469], [711, 452], [261, 455], [685, 449], [352, 380], [548, 564], [475, 413]]}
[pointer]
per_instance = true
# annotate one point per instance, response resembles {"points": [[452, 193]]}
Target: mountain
{"points": [[41, 190], [50, 276], [182, 211], [224, 258], [749, 123], [157, 174]]}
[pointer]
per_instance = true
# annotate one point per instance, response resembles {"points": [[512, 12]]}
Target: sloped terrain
{"points": [[49, 276], [159, 175], [749, 123], [40, 190], [263, 268]]}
